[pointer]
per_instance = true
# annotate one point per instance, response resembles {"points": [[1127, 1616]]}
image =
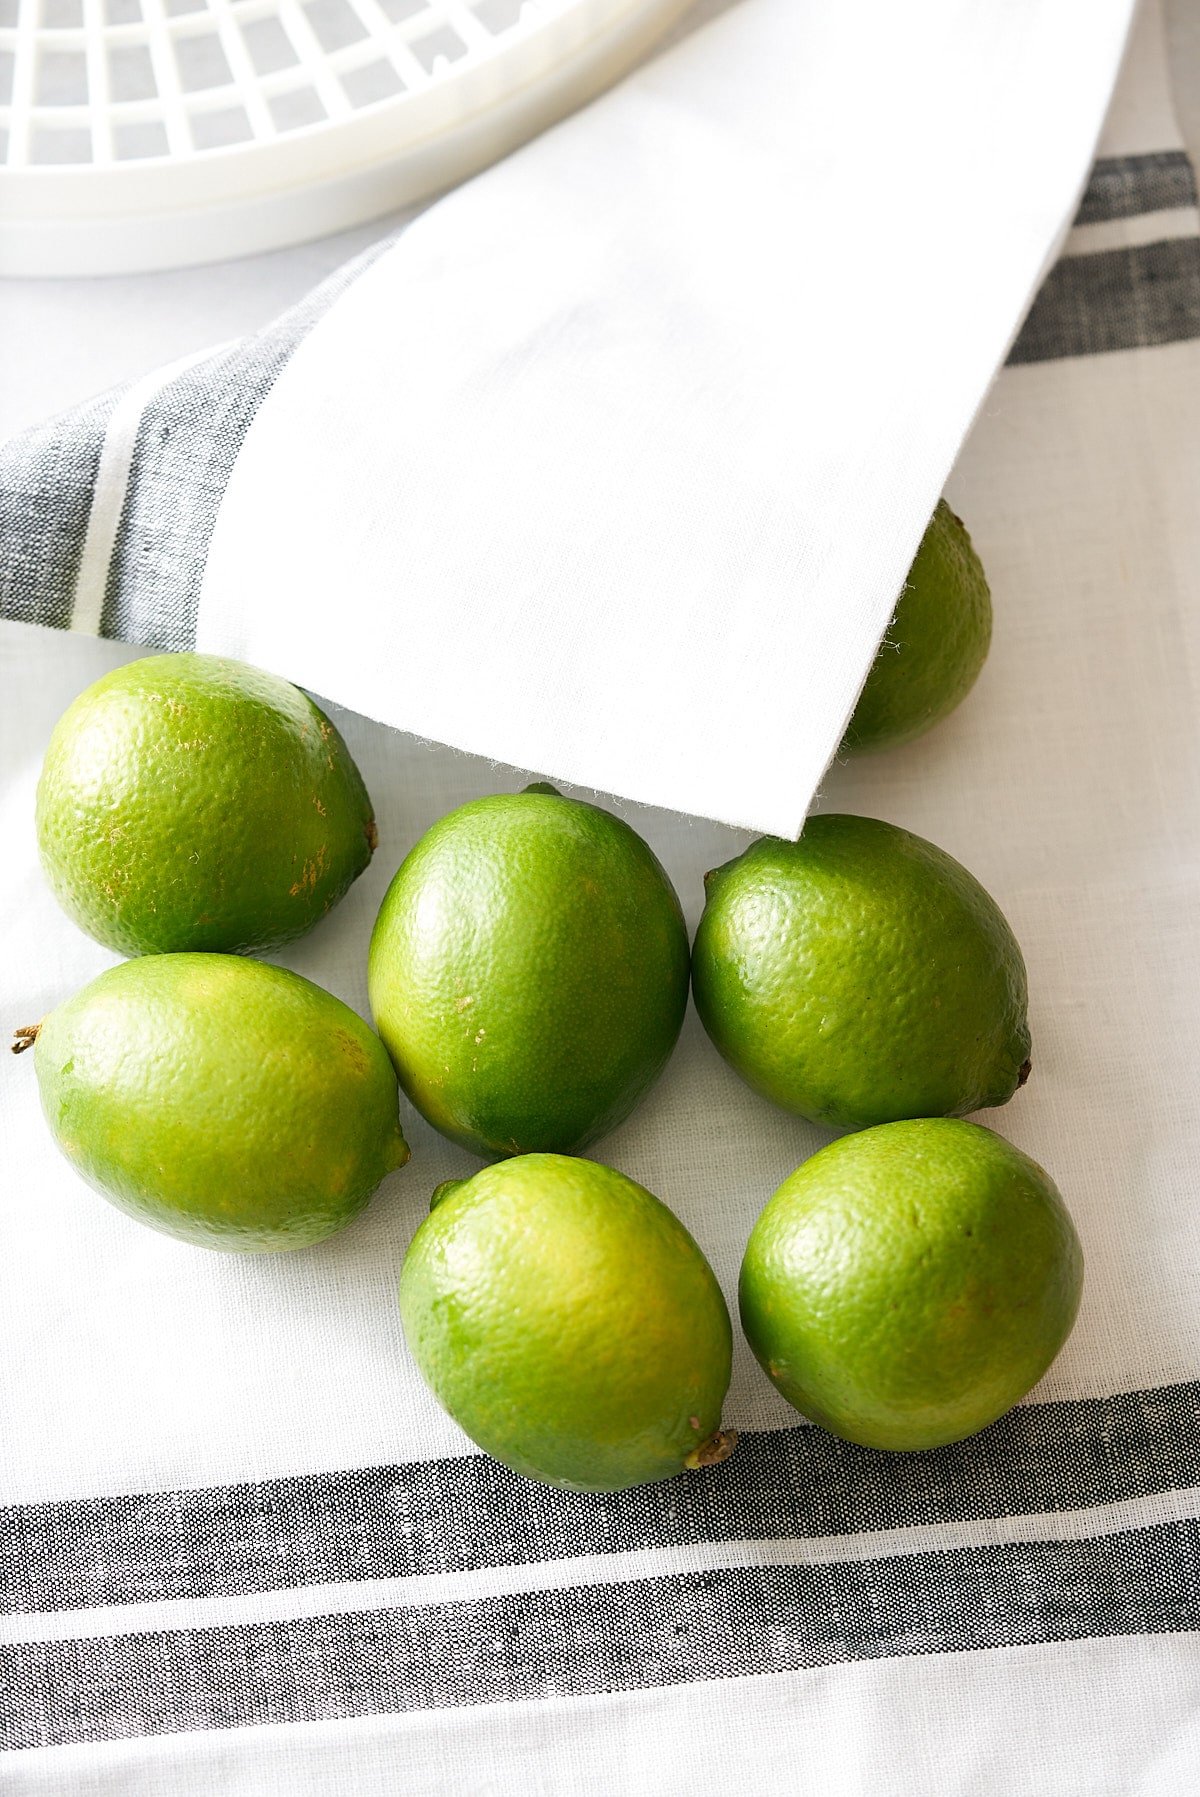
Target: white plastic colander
{"points": [[139, 134]]}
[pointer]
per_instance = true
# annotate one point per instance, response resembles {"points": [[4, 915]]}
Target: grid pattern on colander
{"points": [[99, 82]]}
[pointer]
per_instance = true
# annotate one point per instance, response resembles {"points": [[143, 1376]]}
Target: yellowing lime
{"points": [[861, 975], [569, 1324], [528, 973], [221, 1100], [191, 802], [935, 646], [908, 1284]]}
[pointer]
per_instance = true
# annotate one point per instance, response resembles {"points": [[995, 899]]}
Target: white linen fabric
{"points": [[614, 462], [244, 1552]]}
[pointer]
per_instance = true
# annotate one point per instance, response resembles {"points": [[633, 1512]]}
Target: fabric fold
{"points": [[613, 463]]}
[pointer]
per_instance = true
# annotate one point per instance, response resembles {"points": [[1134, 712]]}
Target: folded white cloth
{"points": [[614, 463]]}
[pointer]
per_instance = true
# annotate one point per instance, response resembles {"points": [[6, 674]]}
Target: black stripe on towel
{"points": [[1131, 298], [187, 443], [726, 1623], [459, 1514], [1124, 186]]}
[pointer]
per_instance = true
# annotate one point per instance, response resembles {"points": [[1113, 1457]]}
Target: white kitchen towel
{"points": [[613, 464], [242, 1552]]}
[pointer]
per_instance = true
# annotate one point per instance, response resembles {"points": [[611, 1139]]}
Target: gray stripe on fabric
{"points": [[467, 1513], [680, 1629], [1124, 186], [188, 441], [47, 476], [1131, 298]]}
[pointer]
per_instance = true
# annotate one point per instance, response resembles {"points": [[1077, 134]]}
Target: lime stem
{"points": [[1026, 1069], [718, 1447], [25, 1037], [543, 786]]}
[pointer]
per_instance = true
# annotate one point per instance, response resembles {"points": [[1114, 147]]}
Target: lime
{"points": [[189, 802], [907, 1285], [221, 1100], [529, 973], [861, 975], [935, 645], [569, 1324]]}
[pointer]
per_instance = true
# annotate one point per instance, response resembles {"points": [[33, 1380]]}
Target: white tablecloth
{"points": [[863, 1625]]}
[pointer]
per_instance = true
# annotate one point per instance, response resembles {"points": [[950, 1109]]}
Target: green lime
{"points": [[569, 1324], [936, 643], [861, 975], [189, 802], [907, 1285], [221, 1100], [529, 973]]}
